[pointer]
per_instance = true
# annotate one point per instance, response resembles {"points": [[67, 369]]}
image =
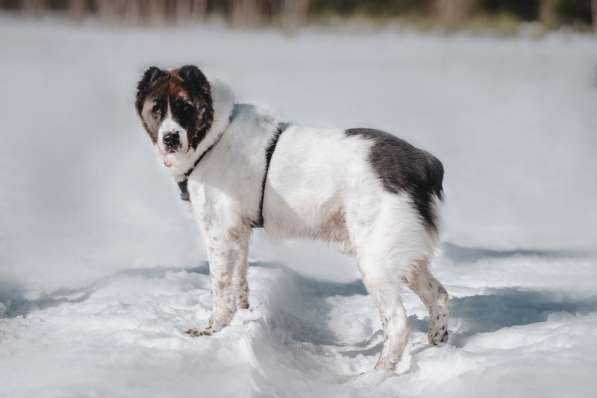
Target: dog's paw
{"points": [[438, 336], [199, 332], [385, 364]]}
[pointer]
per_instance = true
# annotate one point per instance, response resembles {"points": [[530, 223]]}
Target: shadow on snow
{"points": [[14, 301], [465, 255], [305, 320], [305, 317]]}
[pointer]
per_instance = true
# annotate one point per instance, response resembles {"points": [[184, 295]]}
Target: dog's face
{"points": [[175, 108]]}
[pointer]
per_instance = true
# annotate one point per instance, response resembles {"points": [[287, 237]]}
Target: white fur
{"points": [[169, 125], [320, 185]]}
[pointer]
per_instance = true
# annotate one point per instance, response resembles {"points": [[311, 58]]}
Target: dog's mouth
{"points": [[169, 158], [172, 154]]}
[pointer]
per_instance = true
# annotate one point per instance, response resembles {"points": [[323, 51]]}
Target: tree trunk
{"points": [[453, 12], [133, 12], [182, 10], [32, 7], [198, 9], [186, 10], [106, 9], [245, 13], [76, 9], [294, 13], [594, 7], [547, 13], [156, 11]]}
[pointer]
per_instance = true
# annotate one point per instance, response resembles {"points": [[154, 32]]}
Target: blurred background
{"points": [[504, 15]]}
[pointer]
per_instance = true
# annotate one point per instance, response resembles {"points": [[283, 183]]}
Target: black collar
{"points": [[269, 152], [183, 184]]}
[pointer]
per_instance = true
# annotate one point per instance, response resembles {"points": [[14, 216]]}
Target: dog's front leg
{"points": [[227, 251]]}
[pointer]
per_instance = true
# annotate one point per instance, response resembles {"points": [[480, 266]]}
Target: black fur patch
{"points": [[405, 168], [200, 117], [151, 75]]}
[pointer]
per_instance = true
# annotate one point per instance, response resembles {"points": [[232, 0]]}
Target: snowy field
{"points": [[101, 268]]}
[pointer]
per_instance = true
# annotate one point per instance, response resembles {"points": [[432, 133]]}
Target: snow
{"points": [[101, 267], [123, 336]]}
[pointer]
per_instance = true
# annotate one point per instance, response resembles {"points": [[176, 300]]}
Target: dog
{"points": [[370, 193]]}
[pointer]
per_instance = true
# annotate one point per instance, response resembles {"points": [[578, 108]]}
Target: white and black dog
{"points": [[374, 195]]}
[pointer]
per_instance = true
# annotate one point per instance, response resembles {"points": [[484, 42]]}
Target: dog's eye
{"points": [[155, 109]]}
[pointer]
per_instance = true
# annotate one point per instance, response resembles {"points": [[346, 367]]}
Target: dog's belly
{"points": [[315, 177], [329, 226], [322, 220]]}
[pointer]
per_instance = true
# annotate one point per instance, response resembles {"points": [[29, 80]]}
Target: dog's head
{"points": [[176, 109]]}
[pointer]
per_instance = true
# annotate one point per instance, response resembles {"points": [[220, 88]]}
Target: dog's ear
{"points": [[151, 75], [197, 85], [195, 80]]}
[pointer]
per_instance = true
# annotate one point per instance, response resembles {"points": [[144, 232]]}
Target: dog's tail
{"points": [[435, 173]]}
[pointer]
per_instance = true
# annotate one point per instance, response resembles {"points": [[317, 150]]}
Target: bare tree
{"points": [[105, 9], [32, 7], [453, 12], [138, 11], [190, 9], [294, 13], [198, 9], [76, 9], [245, 13], [594, 7], [547, 12], [156, 11], [182, 9], [133, 11]]}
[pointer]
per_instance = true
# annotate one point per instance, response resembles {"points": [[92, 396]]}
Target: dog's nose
{"points": [[172, 139]]}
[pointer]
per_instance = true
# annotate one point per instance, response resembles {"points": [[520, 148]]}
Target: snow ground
{"points": [[514, 333], [101, 268]]}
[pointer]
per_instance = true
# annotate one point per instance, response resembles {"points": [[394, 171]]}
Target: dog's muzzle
{"points": [[171, 141]]}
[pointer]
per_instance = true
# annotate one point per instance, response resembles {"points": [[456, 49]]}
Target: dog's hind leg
{"points": [[435, 298], [389, 238], [384, 289]]}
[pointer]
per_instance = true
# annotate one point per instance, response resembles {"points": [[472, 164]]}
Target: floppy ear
{"points": [[150, 76], [197, 85], [195, 80]]}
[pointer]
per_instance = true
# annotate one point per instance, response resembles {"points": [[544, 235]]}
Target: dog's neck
{"points": [[223, 103]]}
